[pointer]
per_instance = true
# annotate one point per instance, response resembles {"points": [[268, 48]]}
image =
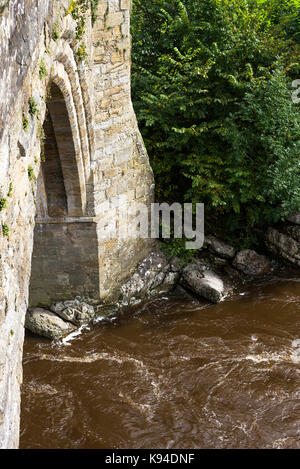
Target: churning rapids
{"points": [[173, 373]]}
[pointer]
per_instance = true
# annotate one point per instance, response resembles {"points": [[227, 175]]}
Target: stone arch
{"points": [[75, 185], [64, 181], [80, 80], [65, 239], [79, 86], [51, 190]]}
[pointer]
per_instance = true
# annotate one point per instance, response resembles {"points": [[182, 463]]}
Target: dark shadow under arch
{"points": [[59, 168]]}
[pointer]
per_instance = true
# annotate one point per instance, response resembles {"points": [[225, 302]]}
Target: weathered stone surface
{"points": [[295, 218], [251, 263], [283, 245], [154, 275], [76, 311], [204, 283], [219, 247], [294, 232], [47, 324], [95, 162], [3, 4]]}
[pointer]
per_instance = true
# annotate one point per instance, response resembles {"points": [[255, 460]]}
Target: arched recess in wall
{"points": [[82, 103], [65, 253], [79, 79], [61, 174]]}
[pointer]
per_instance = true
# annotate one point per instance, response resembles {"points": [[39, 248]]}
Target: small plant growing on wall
{"points": [[81, 52], [94, 5], [25, 123], [42, 70], [3, 200], [55, 31], [78, 9], [33, 107], [31, 175], [5, 229], [10, 189], [3, 203]]}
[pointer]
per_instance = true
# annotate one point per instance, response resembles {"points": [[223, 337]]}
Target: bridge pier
{"points": [[70, 151]]}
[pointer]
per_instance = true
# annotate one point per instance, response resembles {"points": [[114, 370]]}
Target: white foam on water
{"points": [[70, 337], [273, 357], [101, 318], [296, 343]]}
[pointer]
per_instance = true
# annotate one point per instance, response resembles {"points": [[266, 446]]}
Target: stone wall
{"points": [[77, 92]]}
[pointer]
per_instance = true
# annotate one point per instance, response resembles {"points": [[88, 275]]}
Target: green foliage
{"points": [[33, 107], [212, 92], [176, 247], [10, 190], [42, 70], [78, 9], [55, 31], [31, 174], [81, 52], [3, 200], [25, 123], [3, 203], [5, 230], [285, 16], [94, 5]]}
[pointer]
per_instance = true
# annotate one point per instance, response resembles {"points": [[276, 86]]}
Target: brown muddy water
{"points": [[173, 373]]}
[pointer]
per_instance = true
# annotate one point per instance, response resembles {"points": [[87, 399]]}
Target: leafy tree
{"points": [[212, 92]]}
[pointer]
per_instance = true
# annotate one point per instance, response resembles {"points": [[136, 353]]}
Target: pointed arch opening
{"points": [[65, 251], [60, 171]]}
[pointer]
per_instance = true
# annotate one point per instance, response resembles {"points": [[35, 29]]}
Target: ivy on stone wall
{"points": [[94, 6], [33, 107], [43, 69], [78, 10]]}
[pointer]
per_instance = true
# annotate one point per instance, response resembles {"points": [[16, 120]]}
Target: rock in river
{"points": [[204, 283], [285, 245], [251, 263], [47, 324], [154, 275], [76, 311], [295, 218], [224, 250]]}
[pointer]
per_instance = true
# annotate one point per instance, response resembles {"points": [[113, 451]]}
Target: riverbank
{"points": [[212, 273], [173, 372]]}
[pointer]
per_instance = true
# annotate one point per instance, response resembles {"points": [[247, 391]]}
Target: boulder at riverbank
{"points": [[204, 283], [75, 311], [211, 275], [251, 263], [285, 243], [219, 247], [47, 324], [154, 275]]}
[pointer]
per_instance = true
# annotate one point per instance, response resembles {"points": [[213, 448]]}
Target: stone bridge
{"points": [[70, 153]]}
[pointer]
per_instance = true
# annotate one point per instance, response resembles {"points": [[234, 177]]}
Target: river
{"points": [[173, 373]]}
